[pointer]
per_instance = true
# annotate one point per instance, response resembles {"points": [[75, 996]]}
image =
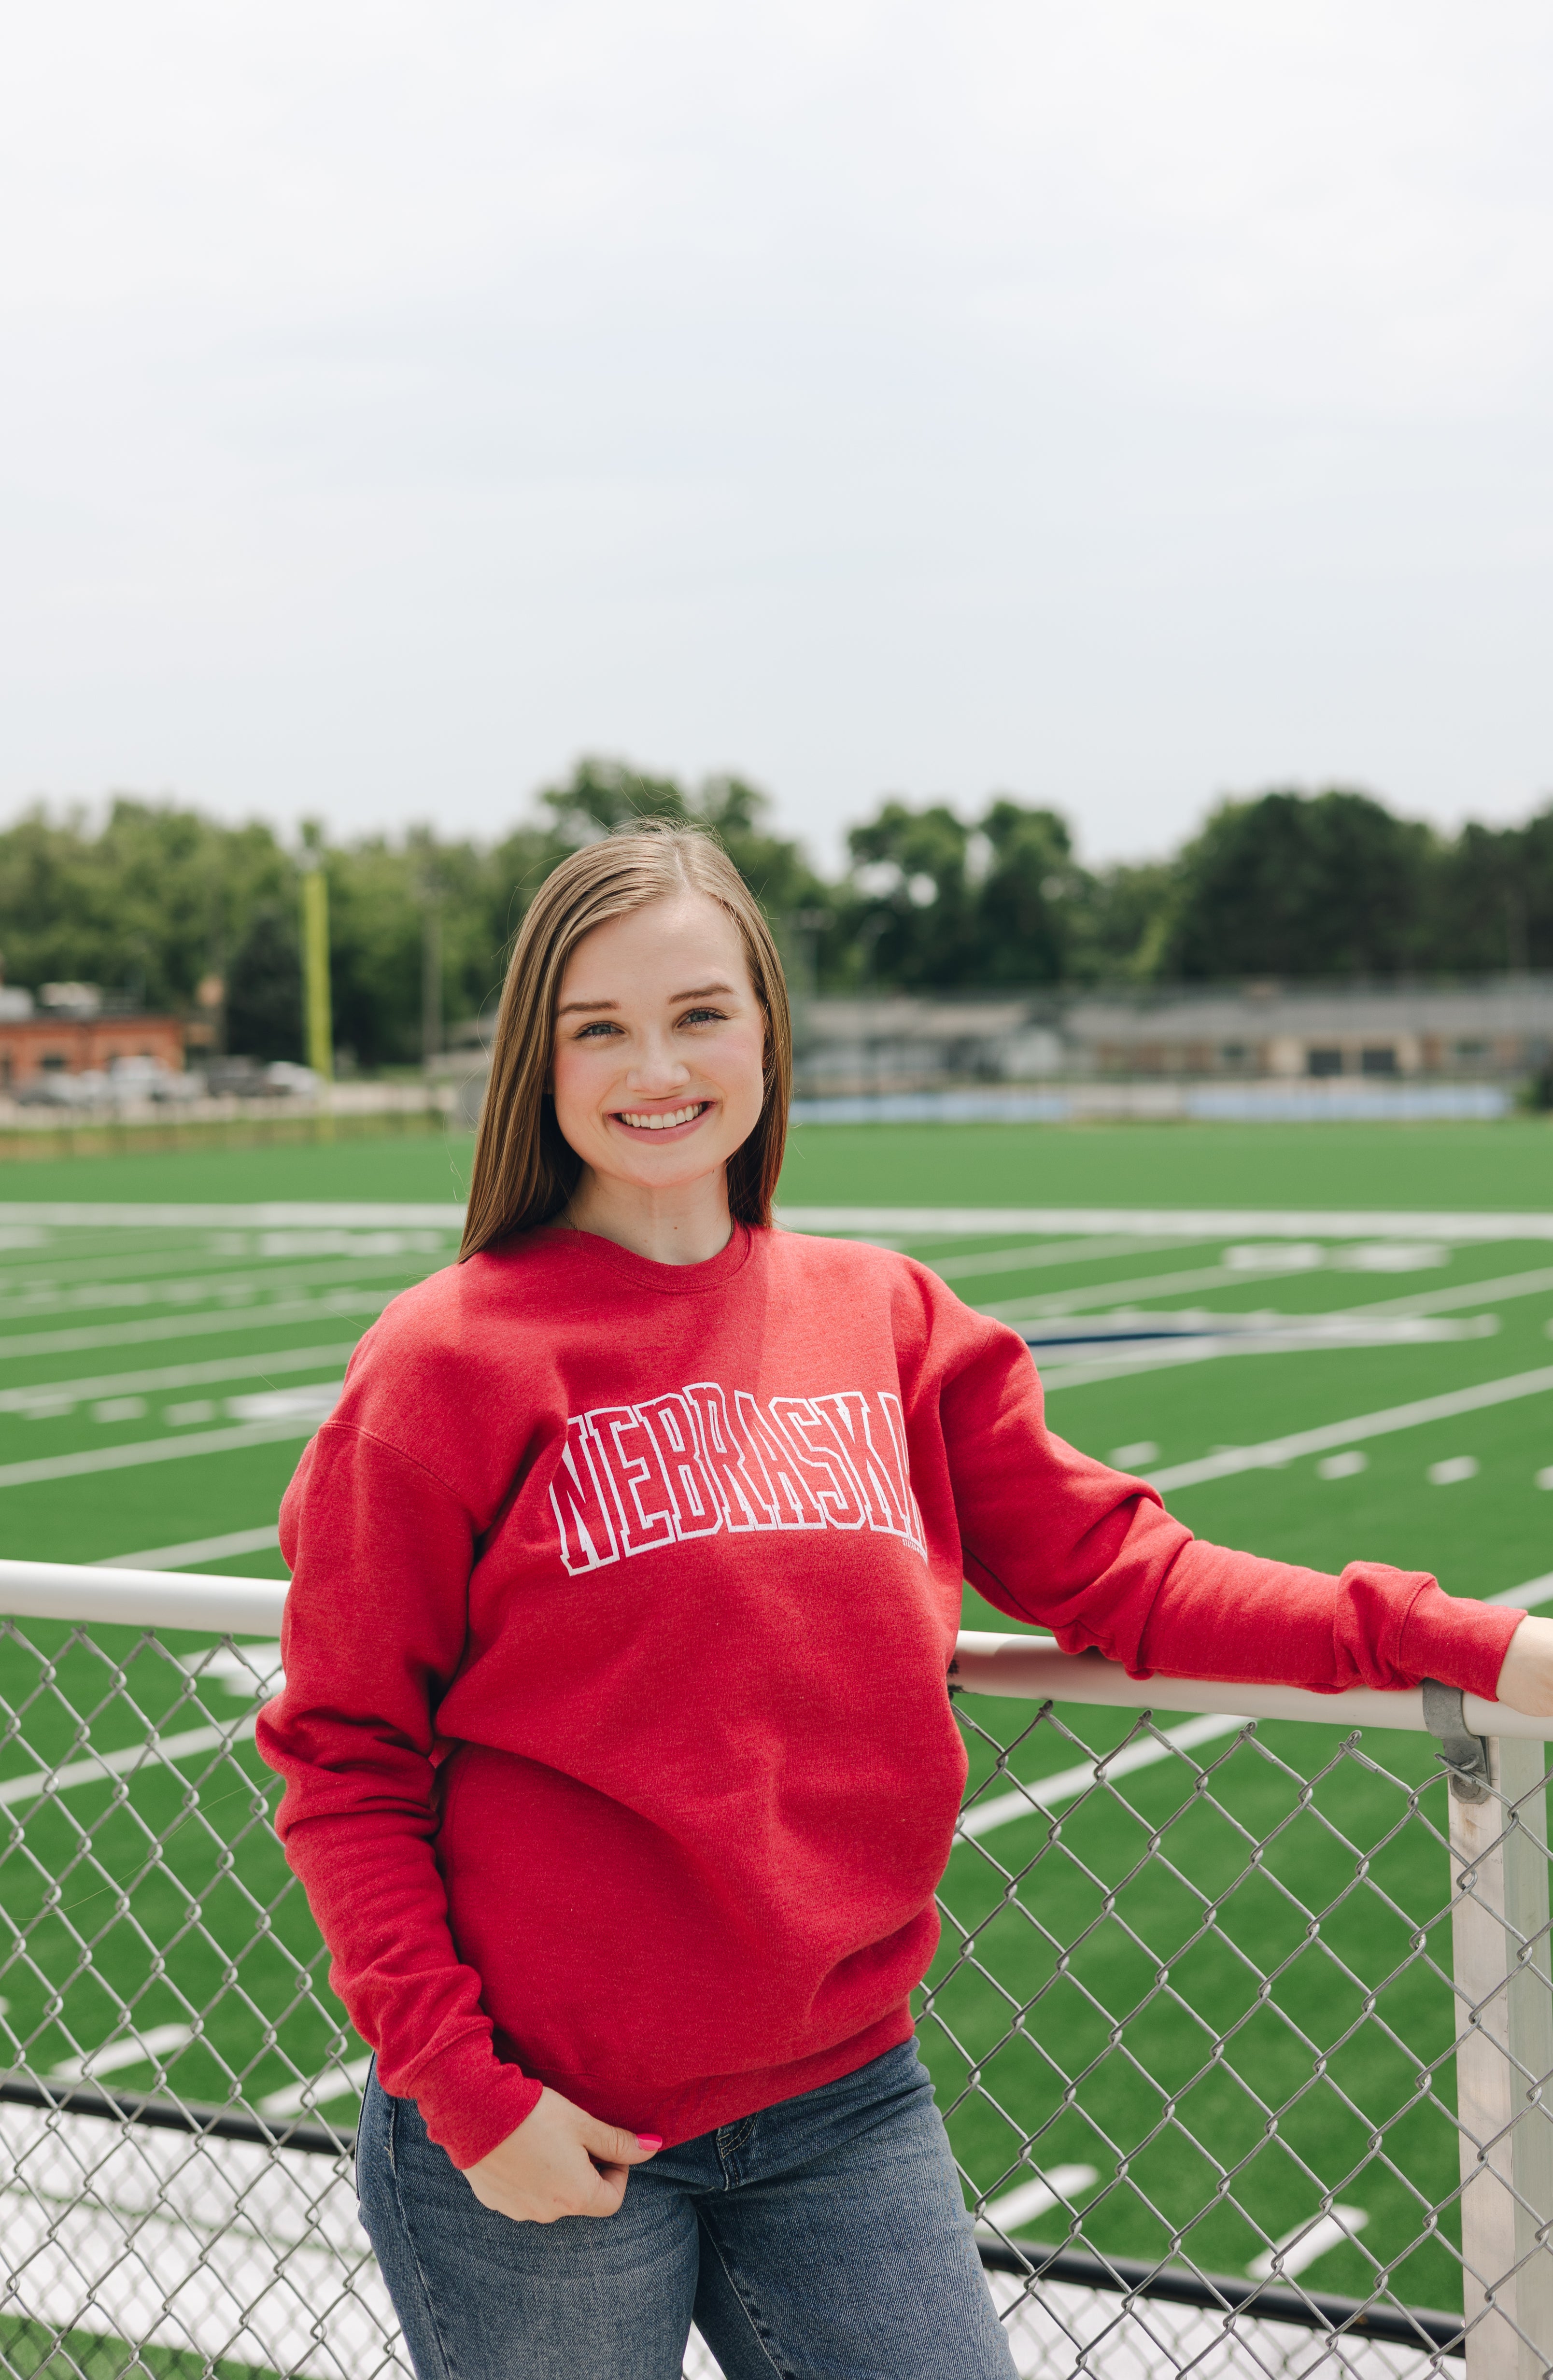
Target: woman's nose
{"points": [[658, 1066]]}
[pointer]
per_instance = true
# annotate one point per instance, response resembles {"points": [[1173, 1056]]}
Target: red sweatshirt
{"points": [[617, 1749]]}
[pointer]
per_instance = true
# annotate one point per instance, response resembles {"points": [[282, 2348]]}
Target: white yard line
{"points": [[196, 1289], [1044, 1252], [246, 1669], [1159, 1354], [153, 1450], [1119, 1325], [136, 1260], [274, 1214], [1020, 2206], [176, 1376], [150, 1753], [112, 2057], [53, 1264], [1154, 1222], [1046, 1793], [959, 1222], [1419, 1306], [1146, 1285], [1471, 1292], [1129, 1326], [1136, 1286], [1055, 1376], [197, 1550], [1535, 1591], [237, 1320], [1272, 1452], [337, 2083], [1298, 2249]]}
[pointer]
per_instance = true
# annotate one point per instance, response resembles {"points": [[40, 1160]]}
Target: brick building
{"points": [[48, 1043]]}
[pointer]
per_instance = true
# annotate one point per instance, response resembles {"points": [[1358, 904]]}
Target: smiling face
{"points": [[659, 1042]]}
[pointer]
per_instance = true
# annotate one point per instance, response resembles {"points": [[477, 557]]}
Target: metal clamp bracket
{"points": [[1465, 1755]]}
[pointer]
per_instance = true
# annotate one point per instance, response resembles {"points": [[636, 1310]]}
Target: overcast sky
{"points": [[1120, 403]]}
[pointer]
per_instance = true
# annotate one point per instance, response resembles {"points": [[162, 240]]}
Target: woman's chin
{"points": [[680, 1167]]}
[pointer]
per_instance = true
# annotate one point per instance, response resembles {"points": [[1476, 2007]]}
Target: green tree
{"points": [[264, 985], [930, 901], [1033, 897], [909, 911], [1302, 885], [1287, 884], [1494, 902], [602, 795], [156, 899], [599, 796], [1122, 926]]}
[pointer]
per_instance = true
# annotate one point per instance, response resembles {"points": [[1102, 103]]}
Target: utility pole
{"points": [[319, 1033]]}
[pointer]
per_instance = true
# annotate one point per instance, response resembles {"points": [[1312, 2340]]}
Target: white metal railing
{"points": [[142, 1598], [1127, 1906], [1032, 1669]]}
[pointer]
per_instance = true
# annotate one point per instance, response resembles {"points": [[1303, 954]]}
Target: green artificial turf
{"points": [[397, 1168], [1423, 1165], [1420, 1165]]}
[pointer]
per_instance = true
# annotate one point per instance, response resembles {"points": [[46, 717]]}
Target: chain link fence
{"points": [[1235, 2026]]}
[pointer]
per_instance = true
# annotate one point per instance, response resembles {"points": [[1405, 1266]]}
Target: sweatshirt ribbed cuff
{"points": [[469, 2101], [1458, 1642]]}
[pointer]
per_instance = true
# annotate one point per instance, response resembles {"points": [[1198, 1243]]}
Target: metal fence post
{"points": [[1504, 2062]]}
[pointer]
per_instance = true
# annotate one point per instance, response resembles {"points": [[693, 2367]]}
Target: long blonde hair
{"points": [[524, 1172]]}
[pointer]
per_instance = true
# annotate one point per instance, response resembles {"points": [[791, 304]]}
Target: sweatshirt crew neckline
{"points": [[646, 1272]]}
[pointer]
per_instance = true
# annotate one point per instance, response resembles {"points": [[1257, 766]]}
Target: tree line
{"points": [[159, 903]]}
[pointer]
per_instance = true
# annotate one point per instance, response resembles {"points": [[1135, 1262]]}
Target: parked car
{"points": [[151, 1078], [288, 1081], [245, 1078], [58, 1089]]}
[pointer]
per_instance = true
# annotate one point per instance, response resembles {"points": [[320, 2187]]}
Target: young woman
{"points": [[620, 1768]]}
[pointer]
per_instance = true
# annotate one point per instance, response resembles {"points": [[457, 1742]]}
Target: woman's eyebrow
{"points": [[702, 991]]}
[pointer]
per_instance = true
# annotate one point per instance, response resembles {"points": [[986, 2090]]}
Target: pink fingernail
{"points": [[649, 2141]]}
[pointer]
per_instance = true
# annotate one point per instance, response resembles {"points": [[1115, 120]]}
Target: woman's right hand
{"points": [[559, 2162]]}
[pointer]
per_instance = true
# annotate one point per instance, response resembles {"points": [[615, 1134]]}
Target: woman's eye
{"points": [[702, 1016], [598, 1030]]}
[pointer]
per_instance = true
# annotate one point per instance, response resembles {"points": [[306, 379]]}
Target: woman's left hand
{"points": [[1526, 1678]]}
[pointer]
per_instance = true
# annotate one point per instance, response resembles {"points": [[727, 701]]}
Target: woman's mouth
{"points": [[669, 1120]]}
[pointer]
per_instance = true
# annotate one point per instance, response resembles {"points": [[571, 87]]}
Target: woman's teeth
{"points": [[662, 1123]]}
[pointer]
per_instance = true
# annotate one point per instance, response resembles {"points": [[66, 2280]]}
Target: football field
{"points": [[1320, 1343]]}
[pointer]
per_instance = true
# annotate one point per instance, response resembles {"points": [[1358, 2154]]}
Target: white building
{"points": [[1496, 1032]]}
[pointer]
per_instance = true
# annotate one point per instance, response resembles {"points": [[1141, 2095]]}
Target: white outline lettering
{"points": [[581, 1515], [703, 1461], [841, 1500], [672, 1418], [642, 1526]]}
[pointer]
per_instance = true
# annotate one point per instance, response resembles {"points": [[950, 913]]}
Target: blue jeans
{"points": [[824, 2238]]}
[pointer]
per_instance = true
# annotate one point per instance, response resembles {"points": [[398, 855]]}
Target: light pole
{"points": [[318, 1025]]}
